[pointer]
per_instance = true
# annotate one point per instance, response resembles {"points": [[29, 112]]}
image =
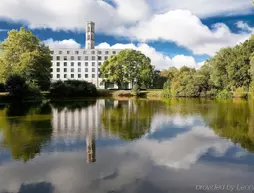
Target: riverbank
{"points": [[150, 93]]}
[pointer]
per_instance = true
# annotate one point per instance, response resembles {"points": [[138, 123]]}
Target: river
{"points": [[127, 146]]}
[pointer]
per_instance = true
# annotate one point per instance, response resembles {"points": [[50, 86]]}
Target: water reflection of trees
{"points": [[129, 119], [229, 119], [234, 120], [25, 130]]}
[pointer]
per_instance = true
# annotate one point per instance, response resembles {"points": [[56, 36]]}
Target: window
{"points": [[60, 52], [84, 52], [72, 57], [99, 52], [79, 57], [58, 64], [79, 75], [72, 69], [114, 52], [72, 75], [65, 75], [65, 69], [86, 57], [106, 52], [79, 69], [86, 69], [58, 58], [93, 52], [76, 52], [65, 57], [58, 69], [79, 63], [65, 63], [93, 69], [99, 57], [106, 57], [93, 57], [86, 63], [51, 75], [58, 76], [86, 75], [99, 63], [72, 63], [68, 52], [51, 52], [93, 75], [51, 69], [93, 63]]}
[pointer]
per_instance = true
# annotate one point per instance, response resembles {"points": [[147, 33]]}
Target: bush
{"points": [[72, 88], [2, 87], [136, 89], [240, 93], [17, 87], [19, 90], [224, 94]]}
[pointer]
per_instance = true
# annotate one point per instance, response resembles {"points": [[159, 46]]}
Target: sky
{"points": [[171, 32]]}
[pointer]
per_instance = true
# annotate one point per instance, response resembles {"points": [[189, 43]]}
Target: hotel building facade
{"points": [[81, 64]]}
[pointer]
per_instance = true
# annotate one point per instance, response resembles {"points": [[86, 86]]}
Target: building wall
{"points": [[79, 64]]}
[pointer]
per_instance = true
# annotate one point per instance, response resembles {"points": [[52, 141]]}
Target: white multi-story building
{"points": [[81, 64]]}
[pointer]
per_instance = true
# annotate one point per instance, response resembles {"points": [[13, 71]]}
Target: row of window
{"points": [[72, 76], [81, 52], [79, 64], [72, 70], [83, 58]]}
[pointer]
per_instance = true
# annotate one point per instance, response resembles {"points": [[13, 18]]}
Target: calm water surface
{"points": [[127, 146]]}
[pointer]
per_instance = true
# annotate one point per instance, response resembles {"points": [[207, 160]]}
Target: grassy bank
{"points": [[151, 93]]}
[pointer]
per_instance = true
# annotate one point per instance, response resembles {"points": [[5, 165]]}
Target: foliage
{"points": [[72, 88], [23, 54], [231, 70], [128, 66], [2, 87], [224, 94], [19, 90]]}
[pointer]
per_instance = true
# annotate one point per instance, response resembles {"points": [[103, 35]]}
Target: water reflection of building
{"points": [[90, 148], [78, 122]]}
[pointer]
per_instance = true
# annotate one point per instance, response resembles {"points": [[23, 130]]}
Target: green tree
{"points": [[128, 66], [23, 54]]}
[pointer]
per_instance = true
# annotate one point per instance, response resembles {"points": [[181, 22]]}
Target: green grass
{"points": [[151, 93]]}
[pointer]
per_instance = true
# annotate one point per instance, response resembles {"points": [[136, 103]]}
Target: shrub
{"points": [[73, 88], [240, 93], [19, 90], [136, 89], [2, 87], [224, 94], [17, 87]]}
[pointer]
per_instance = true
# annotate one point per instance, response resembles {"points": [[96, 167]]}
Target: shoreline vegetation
{"points": [[25, 71]]}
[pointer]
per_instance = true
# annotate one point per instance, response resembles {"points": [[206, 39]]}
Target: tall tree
{"points": [[23, 54], [128, 66]]}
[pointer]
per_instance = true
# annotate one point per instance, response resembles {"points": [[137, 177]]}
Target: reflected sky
{"points": [[178, 151]]}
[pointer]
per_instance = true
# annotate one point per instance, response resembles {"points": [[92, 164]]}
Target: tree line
{"points": [[230, 73]]}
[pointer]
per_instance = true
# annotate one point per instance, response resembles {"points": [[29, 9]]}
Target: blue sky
{"points": [[170, 32]]}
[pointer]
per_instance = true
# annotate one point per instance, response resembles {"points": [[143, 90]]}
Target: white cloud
{"points": [[185, 29], [3, 30], [158, 59], [70, 43], [205, 8], [175, 21], [244, 26]]}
